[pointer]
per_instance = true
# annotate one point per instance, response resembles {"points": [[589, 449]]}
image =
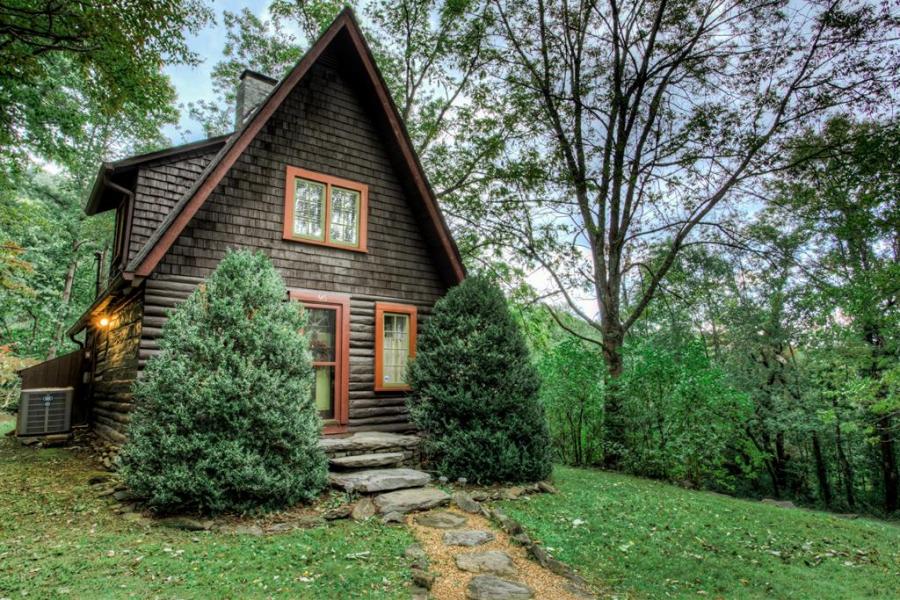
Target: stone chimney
{"points": [[252, 89]]}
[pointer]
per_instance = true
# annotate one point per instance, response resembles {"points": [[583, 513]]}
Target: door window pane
{"points": [[344, 216], [396, 348], [323, 391], [309, 209], [322, 329]]}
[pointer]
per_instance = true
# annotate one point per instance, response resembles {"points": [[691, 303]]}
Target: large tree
{"points": [[63, 64], [637, 121]]}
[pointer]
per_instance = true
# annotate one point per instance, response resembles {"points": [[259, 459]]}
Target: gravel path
{"points": [[452, 582]]}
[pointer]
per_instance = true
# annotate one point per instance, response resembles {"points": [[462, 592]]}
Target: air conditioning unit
{"points": [[45, 411]]}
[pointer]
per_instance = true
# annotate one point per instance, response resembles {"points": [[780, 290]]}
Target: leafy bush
{"points": [[685, 421], [572, 393], [10, 383], [476, 390], [225, 419]]}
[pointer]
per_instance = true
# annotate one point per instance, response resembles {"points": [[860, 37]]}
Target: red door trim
{"points": [[342, 371]]}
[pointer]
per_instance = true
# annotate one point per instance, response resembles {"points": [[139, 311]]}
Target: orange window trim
{"points": [[401, 309], [342, 361], [289, 188]]}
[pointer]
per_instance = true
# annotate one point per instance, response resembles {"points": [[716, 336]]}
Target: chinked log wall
{"points": [[369, 410], [115, 370]]}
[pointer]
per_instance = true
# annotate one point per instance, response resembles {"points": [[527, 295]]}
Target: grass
{"points": [[60, 541], [632, 537], [646, 539]]}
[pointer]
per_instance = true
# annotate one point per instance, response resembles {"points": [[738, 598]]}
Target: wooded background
{"points": [[693, 204]]}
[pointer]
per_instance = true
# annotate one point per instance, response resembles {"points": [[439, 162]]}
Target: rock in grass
{"points": [[393, 518], [423, 578], [493, 562], [340, 512], [489, 587], [547, 488], [185, 523], [466, 502], [364, 509]]}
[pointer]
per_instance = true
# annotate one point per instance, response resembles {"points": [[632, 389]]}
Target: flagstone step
{"points": [[410, 500], [367, 461], [368, 442], [379, 480]]}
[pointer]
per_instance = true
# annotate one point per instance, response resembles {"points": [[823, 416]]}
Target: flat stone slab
{"points": [[404, 501], [493, 562], [367, 461], [488, 587], [442, 520], [379, 480], [368, 441], [467, 537]]}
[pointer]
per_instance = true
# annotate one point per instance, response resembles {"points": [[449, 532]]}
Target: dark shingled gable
{"points": [[344, 40]]}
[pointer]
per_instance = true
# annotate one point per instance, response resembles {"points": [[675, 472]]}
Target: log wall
{"points": [[369, 411], [115, 369]]}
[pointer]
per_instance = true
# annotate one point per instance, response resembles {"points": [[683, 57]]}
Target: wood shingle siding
{"points": [[159, 186], [322, 126]]}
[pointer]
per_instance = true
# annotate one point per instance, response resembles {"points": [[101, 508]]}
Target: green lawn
{"points": [[645, 539], [58, 540]]}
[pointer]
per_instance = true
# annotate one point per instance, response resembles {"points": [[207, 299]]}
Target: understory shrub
{"points": [[572, 392], [225, 419], [685, 422], [475, 390]]}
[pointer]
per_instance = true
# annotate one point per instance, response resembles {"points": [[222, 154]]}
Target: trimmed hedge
{"points": [[475, 390], [225, 419]]}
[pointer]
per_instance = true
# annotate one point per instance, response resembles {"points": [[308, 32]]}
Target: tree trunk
{"points": [[821, 470], [64, 309], [613, 419], [888, 464], [844, 464]]}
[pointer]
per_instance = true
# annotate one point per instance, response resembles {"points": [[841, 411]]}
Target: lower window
{"points": [[328, 325], [395, 345]]}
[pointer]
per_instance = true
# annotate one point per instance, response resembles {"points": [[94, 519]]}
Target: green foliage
{"points": [[475, 391], [684, 421], [572, 392], [225, 418], [70, 68], [46, 237]]}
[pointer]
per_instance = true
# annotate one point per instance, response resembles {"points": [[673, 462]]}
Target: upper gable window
{"points": [[325, 210]]}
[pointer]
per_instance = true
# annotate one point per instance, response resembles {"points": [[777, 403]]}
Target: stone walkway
{"points": [[471, 559]]}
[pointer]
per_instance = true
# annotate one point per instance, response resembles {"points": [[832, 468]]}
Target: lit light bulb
{"points": [[104, 322]]}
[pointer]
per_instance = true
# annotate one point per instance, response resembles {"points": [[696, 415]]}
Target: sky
{"points": [[193, 82]]}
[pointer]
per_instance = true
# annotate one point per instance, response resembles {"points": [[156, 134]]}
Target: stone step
{"points": [[368, 442], [367, 461], [410, 500], [379, 480]]}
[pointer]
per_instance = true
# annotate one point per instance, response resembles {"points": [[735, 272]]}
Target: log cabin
{"points": [[319, 174]]}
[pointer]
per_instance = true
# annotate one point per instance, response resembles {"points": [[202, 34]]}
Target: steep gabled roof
{"points": [[343, 35]]}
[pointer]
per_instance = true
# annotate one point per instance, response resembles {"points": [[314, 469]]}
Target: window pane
{"points": [[323, 391], [309, 209], [396, 348], [344, 216], [322, 322]]}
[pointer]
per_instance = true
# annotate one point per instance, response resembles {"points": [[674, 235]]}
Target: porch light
{"points": [[104, 322]]}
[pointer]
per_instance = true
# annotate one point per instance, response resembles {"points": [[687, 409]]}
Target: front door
{"points": [[329, 335]]}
